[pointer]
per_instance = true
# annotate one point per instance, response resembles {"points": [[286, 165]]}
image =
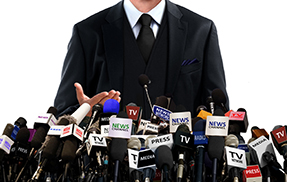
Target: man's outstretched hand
{"points": [[100, 98]]}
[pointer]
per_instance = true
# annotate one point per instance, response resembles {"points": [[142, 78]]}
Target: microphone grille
{"points": [[231, 141], [144, 80], [134, 143]]}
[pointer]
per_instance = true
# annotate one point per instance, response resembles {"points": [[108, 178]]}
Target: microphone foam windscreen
{"points": [[23, 135], [8, 130], [183, 128], [20, 122], [66, 120], [199, 125], [51, 148], [39, 136], [143, 80], [218, 96], [161, 101], [52, 110], [215, 147], [69, 149], [118, 149], [111, 106], [122, 114], [163, 156], [218, 112]]}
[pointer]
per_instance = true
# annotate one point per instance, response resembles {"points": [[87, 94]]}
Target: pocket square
{"points": [[188, 62]]}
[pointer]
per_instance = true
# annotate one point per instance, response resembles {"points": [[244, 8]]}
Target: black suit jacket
{"points": [[95, 58]]}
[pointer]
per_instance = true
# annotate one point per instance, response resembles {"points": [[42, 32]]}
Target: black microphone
{"points": [[201, 142], [215, 150], [20, 150], [164, 162], [219, 98], [118, 150], [182, 148], [6, 133], [144, 81], [49, 149]]}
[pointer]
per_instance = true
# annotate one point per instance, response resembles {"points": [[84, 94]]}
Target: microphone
{"points": [[160, 113], [201, 141], [215, 150], [6, 141], [50, 148], [164, 162], [279, 138], [134, 144], [110, 108], [182, 148], [144, 81], [219, 98], [19, 151], [236, 160], [118, 150], [135, 113], [210, 102], [257, 132]]}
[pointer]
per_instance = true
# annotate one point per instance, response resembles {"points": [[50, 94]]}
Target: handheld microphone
{"points": [[182, 148], [201, 141], [215, 150], [211, 104], [118, 150], [164, 162]]}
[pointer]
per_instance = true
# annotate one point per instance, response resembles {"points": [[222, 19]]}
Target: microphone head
{"points": [[98, 107], [111, 106], [134, 143], [199, 125], [183, 128], [118, 149], [161, 101], [144, 80], [218, 112], [231, 141], [163, 156], [49, 152], [39, 136], [8, 130], [20, 122], [215, 147], [218, 96], [66, 120], [122, 114], [23, 135], [69, 149], [52, 110]]}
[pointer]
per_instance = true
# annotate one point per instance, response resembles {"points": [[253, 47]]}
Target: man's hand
{"points": [[100, 98]]}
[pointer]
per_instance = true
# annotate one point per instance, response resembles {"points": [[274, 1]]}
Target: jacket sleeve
{"points": [[73, 71], [214, 75]]}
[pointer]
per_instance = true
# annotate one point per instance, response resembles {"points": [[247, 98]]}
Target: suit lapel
{"points": [[177, 39], [113, 41]]}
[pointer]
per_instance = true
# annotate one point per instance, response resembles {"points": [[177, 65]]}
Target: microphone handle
{"points": [[116, 170], [214, 169], [199, 163], [165, 174]]}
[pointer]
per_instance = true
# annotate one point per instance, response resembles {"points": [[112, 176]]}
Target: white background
{"points": [[252, 34]]}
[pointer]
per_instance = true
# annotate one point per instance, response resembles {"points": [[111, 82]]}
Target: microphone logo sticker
{"points": [[217, 126], [119, 126]]}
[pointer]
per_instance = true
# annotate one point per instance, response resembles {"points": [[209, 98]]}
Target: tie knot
{"points": [[145, 19]]}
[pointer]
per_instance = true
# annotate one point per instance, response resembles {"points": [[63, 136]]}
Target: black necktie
{"points": [[145, 38]]}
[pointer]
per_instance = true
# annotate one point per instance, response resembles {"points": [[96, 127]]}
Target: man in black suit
{"points": [[185, 61]]}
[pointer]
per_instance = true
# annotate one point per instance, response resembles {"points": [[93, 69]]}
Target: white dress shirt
{"points": [[133, 14]]}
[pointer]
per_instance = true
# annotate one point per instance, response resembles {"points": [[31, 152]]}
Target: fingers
{"points": [[79, 92], [98, 98]]}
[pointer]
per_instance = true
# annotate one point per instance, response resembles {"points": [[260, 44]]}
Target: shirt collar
{"points": [[133, 14]]}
